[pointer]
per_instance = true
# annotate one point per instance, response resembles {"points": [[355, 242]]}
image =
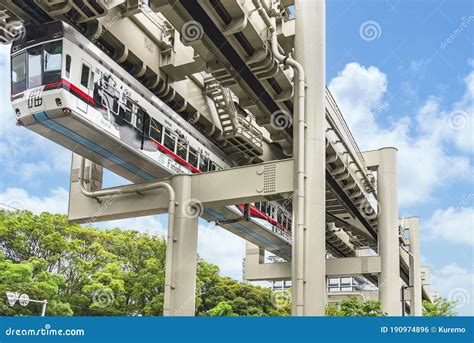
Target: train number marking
{"points": [[35, 99]]}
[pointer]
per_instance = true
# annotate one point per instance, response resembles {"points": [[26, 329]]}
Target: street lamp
{"points": [[24, 300]]}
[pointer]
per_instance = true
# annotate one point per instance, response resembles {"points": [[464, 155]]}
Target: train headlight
{"points": [[59, 103], [17, 111], [66, 111]]}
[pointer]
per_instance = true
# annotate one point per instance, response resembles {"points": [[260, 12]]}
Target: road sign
{"points": [[24, 299], [12, 297]]}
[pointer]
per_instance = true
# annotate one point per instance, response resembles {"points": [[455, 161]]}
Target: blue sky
{"points": [[403, 75]]}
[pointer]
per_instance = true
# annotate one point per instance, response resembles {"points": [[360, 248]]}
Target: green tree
{"points": [[355, 307], [94, 272], [84, 271], [32, 278], [221, 309], [439, 307]]}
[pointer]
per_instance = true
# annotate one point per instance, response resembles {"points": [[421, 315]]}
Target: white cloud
{"points": [[56, 201], [456, 284], [153, 225], [455, 225], [29, 170], [19, 147], [222, 248], [423, 160]]}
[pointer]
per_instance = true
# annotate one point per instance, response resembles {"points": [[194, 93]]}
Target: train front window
{"points": [[52, 57], [19, 73], [34, 67], [39, 65]]}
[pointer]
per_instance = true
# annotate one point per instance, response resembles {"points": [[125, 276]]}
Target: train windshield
{"points": [[38, 65]]}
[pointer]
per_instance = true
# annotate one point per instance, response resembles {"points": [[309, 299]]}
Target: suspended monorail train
{"points": [[68, 90]]}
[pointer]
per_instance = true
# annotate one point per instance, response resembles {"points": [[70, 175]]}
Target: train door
{"points": [[85, 85]]}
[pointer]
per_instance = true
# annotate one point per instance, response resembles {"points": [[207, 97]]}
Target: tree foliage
{"points": [[85, 271], [221, 309], [355, 307], [439, 307]]}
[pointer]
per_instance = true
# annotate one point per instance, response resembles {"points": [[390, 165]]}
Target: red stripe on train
{"points": [[176, 157]]}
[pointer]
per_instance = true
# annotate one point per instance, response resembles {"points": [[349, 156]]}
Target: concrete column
{"points": [[416, 303], [183, 253], [254, 254], [388, 243], [310, 44]]}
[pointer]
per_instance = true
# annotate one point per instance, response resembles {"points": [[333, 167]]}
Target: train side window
{"points": [[68, 66], [279, 216], [139, 119], [203, 165], [156, 130], [169, 141], [263, 206], [128, 111], [193, 158], [181, 150], [85, 74], [19, 73], [212, 167]]}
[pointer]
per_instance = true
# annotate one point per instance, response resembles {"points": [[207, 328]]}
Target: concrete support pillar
{"points": [[310, 52], [388, 236], [416, 303], [180, 297], [253, 253]]}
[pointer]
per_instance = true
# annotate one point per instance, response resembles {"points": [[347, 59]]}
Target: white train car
{"points": [[69, 91]]}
